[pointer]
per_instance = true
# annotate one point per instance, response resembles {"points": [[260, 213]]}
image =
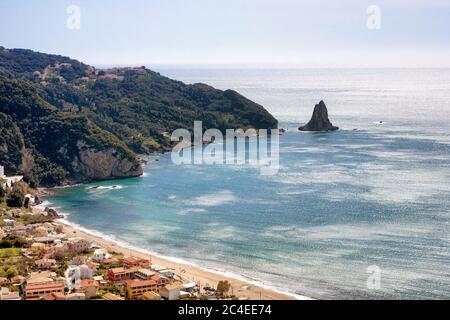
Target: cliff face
{"points": [[52, 148], [104, 164], [319, 120]]}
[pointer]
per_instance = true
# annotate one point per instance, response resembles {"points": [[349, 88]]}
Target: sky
{"points": [[320, 33]]}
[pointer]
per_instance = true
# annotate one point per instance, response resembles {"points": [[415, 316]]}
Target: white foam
{"points": [[212, 199], [192, 210], [43, 205], [113, 187]]}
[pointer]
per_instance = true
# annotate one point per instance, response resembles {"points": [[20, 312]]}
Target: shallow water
{"points": [[341, 202]]}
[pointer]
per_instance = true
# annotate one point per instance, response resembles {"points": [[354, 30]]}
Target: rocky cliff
{"points": [[53, 148], [319, 120], [104, 164]]}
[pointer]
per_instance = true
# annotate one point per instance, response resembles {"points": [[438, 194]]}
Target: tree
{"points": [[223, 286], [26, 203], [2, 190], [12, 242], [16, 197], [11, 273]]}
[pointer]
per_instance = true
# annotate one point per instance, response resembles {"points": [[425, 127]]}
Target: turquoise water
{"points": [[368, 195]]}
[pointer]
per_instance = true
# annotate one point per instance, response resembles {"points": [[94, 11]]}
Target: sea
{"points": [[360, 213]]}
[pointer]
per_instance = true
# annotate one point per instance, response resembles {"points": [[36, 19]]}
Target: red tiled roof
{"points": [[135, 260], [54, 296], [88, 283], [49, 286], [139, 283]]}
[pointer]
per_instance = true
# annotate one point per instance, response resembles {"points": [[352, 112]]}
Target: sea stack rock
{"points": [[319, 120]]}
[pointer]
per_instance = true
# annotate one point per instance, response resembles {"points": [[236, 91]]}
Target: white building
{"points": [[74, 274], [9, 181], [9, 222], [144, 274], [171, 291], [76, 296], [100, 255], [79, 245], [6, 294]]}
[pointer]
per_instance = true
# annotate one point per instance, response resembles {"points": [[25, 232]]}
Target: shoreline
{"points": [[241, 287]]}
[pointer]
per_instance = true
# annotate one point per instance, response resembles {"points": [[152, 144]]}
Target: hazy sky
{"points": [[259, 32]]}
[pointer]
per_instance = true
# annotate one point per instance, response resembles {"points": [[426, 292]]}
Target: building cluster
{"points": [[57, 266]]}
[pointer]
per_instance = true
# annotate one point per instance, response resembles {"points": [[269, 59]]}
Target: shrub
{"points": [[223, 286], [16, 197]]}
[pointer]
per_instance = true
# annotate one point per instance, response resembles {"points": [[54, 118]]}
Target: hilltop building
{"points": [[8, 182]]}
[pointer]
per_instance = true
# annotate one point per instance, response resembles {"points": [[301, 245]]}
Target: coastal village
{"points": [[43, 259]]}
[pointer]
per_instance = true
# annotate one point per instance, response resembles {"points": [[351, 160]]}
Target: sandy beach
{"points": [[239, 288], [242, 289]]}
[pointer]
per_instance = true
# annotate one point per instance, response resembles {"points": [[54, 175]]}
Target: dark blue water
{"points": [[340, 203]]}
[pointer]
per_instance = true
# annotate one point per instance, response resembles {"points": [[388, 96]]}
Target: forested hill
{"points": [[59, 116]]}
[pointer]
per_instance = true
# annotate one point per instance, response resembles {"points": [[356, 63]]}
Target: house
{"points": [[135, 288], [44, 240], [6, 294], [160, 280], [37, 248], [9, 222], [100, 255], [101, 281], [18, 280], [59, 248], [79, 245], [190, 287], [39, 290], [75, 273], [91, 265], [76, 296], [112, 296], [41, 277], [120, 274], [8, 181], [171, 291], [77, 261], [112, 263], [88, 287], [150, 295], [54, 296], [130, 262], [144, 274], [46, 264], [168, 273]]}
